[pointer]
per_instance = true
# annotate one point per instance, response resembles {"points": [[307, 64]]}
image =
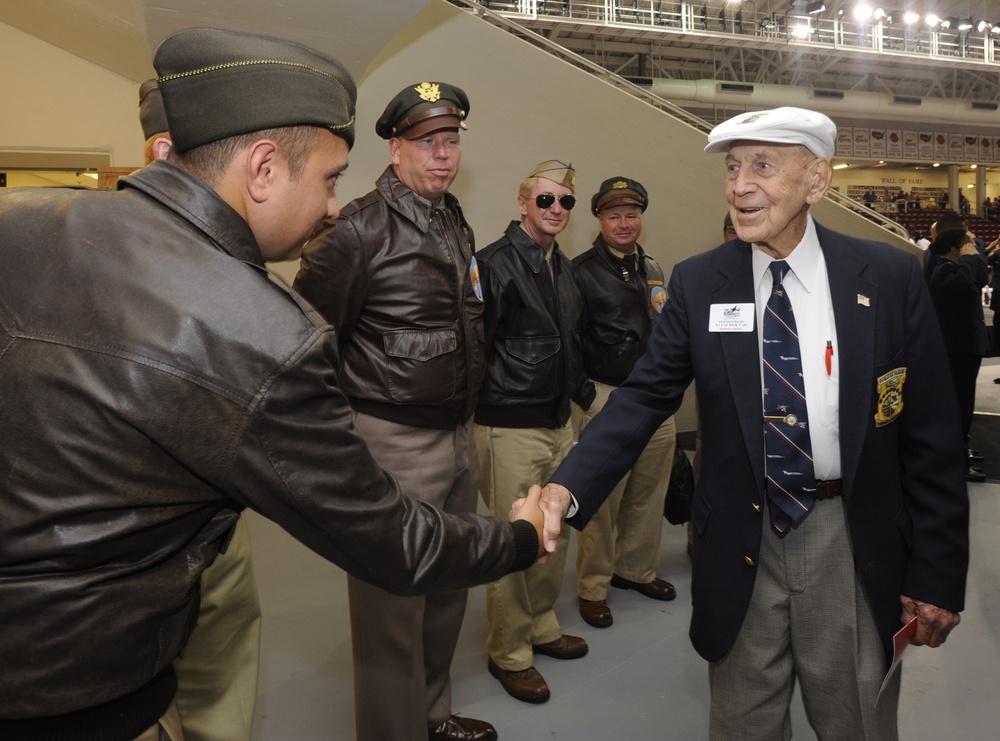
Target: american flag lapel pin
{"points": [[864, 300]]}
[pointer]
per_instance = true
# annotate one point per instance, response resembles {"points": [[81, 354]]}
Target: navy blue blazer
{"points": [[904, 485]]}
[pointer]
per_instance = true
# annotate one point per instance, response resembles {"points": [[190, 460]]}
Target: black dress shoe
{"points": [[463, 729], [563, 647], [526, 685], [656, 589], [596, 613], [975, 456], [974, 474]]}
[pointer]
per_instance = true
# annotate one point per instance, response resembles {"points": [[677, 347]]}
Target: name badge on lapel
{"points": [[731, 317]]}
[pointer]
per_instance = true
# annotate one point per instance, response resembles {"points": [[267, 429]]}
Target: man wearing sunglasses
{"points": [[396, 276], [534, 367], [623, 294]]}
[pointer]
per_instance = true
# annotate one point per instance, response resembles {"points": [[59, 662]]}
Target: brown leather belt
{"points": [[829, 489]]}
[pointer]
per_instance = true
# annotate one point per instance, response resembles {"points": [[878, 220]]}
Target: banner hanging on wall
{"points": [[927, 146]]}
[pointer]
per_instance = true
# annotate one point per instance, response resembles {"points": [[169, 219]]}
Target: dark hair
{"points": [[949, 221], [209, 161], [947, 240]]}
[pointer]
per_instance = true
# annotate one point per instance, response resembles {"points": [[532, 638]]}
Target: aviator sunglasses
{"points": [[545, 200]]}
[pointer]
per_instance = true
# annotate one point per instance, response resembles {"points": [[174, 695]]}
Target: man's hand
{"points": [[933, 623], [527, 509], [554, 503]]}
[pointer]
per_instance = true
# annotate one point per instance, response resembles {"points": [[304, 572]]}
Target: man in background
{"points": [[395, 276], [534, 368], [728, 230], [623, 293]]}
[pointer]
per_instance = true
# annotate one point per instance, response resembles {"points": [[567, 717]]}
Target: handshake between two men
{"points": [[545, 509]]}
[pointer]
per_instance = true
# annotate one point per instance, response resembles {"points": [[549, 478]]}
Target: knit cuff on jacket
{"points": [[525, 545]]}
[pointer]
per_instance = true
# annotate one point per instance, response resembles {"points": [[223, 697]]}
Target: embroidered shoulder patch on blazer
{"points": [[890, 396]]}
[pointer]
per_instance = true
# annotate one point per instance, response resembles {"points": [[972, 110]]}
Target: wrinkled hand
{"points": [[555, 503], [527, 509], [933, 623]]}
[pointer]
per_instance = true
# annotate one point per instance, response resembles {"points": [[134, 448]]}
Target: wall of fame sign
{"points": [[911, 146]]}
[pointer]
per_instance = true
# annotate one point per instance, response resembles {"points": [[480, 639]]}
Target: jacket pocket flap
{"points": [[420, 344], [532, 349]]}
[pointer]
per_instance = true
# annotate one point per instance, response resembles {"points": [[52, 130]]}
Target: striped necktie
{"points": [[791, 481]]}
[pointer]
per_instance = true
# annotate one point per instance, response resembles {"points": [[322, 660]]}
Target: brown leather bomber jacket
{"points": [[153, 382], [396, 277]]}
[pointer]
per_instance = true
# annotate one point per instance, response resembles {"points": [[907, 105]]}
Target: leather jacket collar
{"points": [[527, 248], [602, 249], [191, 198], [408, 203]]}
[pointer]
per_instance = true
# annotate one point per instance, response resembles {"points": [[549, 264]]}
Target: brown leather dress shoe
{"points": [[596, 613], [656, 589], [563, 647], [463, 729], [526, 685]]}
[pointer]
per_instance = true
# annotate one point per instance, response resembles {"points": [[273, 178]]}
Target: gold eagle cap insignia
{"points": [[429, 91], [620, 185]]}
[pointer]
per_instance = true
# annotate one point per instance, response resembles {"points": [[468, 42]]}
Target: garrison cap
{"points": [[151, 115], [619, 192], [217, 84], [423, 108], [813, 130], [557, 171]]}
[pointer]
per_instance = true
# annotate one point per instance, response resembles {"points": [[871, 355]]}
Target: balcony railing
{"points": [[836, 32]]}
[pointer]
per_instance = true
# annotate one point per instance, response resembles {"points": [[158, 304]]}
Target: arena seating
{"points": [[920, 221]]}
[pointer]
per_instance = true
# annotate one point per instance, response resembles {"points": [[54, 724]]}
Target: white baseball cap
{"points": [[813, 130]]}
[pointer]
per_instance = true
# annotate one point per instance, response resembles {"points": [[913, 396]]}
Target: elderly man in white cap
{"points": [[831, 509]]}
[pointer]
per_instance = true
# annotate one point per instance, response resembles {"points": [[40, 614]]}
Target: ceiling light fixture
{"points": [[815, 7]]}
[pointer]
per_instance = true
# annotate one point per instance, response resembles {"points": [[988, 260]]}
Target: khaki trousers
{"points": [[167, 728], [217, 670], [519, 605], [634, 509], [808, 621], [403, 646]]}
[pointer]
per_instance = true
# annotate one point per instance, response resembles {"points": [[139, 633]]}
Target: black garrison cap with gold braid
{"points": [[151, 115], [217, 84], [422, 109]]}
